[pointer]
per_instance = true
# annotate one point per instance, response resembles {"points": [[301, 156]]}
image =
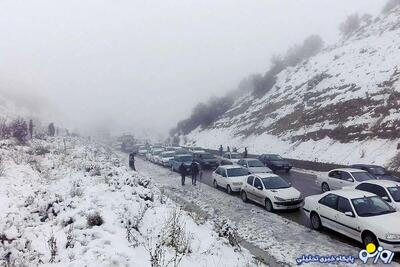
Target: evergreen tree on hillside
{"points": [[51, 129]]}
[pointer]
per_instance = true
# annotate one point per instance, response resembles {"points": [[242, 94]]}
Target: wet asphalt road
{"points": [[303, 182]]}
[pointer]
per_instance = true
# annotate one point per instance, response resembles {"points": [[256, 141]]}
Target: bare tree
{"points": [[19, 130]]}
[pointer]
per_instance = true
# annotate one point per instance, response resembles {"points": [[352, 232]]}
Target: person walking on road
{"points": [[132, 161], [245, 153], [182, 171], [221, 150], [228, 149], [194, 169]]}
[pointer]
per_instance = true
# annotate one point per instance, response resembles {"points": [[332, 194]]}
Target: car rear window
{"points": [[362, 176], [237, 172]]}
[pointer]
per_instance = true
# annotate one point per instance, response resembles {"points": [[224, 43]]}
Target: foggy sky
{"points": [[133, 65]]}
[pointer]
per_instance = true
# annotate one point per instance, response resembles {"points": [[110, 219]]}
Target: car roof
{"points": [[351, 194], [384, 183], [265, 175], [231, 167], [348, 170], [184, 155], [247, 159], [367, 165]]}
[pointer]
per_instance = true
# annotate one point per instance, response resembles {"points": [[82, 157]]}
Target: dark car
{"points": [[275, 162], [179, 159], [377, 171], [206, 160]]}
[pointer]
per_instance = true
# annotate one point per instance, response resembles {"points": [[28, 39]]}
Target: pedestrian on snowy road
{"points": [[194, 169], [182, 171], [132, 161], [228, 149], [245, 154], [221, 150]]}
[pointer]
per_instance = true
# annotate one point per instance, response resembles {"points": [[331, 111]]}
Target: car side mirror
{"points": [[259, 187], [386, 198], [349, 214], [290, 184], [350, 179]]}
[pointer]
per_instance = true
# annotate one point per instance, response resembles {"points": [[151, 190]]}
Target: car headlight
{"points": [[279, 198], [393, 236]]}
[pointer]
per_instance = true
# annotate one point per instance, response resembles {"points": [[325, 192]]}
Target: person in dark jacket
{"points": [[132, 161], [194, 169], [221, 150], [182, 171], [245, 154]]}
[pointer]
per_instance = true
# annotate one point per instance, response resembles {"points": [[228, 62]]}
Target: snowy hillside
{"points": [[74, 203], [340, 106]]}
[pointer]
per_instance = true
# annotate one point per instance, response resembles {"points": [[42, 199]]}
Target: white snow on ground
{"points": [[283, 239], [53, 198], [359, 67]]}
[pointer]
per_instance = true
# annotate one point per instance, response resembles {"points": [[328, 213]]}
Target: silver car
{"points": [[253, 165]]}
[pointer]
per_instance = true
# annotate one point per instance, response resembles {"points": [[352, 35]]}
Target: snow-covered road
{"points": [[280, 238]]}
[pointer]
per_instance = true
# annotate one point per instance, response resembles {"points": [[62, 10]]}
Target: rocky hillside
{"points": [[341, 105]]}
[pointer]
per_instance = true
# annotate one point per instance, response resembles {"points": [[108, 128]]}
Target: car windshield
{"points": [[275, 182], [168, 155], [377, 170], [207, 156], [395, 192], [255, 163], [275, 157], [371, 206], [237, 172], [185, 158], [362, 176], [235, 156]]}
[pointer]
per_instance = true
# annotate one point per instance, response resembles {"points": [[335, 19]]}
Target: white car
{"points": [[357, 214], [142, 150], [154, 155], [253, 165], [339, 178], [271, 191], [233, 157], [386, 189], [165, 158], [230, 177]]}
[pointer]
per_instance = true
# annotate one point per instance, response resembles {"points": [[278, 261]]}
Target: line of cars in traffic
{"points": [[361, 202]]}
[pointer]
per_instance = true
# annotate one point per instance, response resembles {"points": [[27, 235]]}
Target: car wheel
{"points": [[215, 184], [325, 187], [229, 190], [243, 196], [268, 205], [369, 238], [315, 221]]}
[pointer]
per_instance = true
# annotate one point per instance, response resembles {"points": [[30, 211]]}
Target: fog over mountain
{"points": [[125, 66]]}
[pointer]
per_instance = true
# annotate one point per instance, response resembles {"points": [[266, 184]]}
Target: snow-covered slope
{"points": [[341, 105], [73, 203]]}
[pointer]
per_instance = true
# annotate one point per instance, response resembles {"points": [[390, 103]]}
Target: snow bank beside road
{"points": [[77, 205]]}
